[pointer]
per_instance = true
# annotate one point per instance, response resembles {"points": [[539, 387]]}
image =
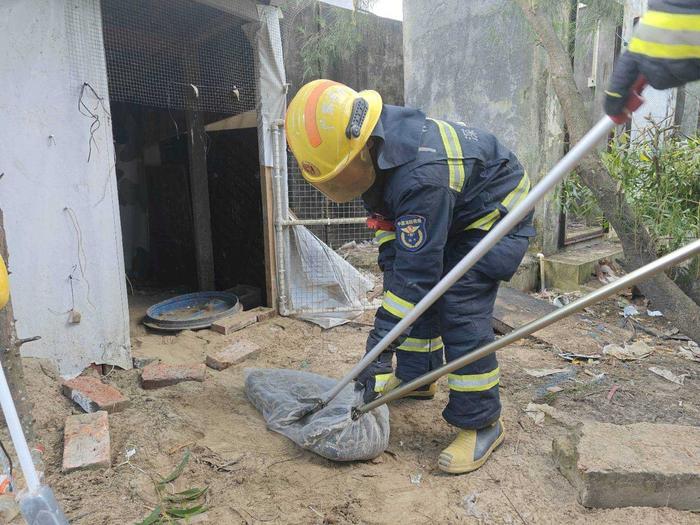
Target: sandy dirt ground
{"points": [[256, 476]]}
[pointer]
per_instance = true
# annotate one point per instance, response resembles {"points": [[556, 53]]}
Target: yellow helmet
{"points": [[328, 125], [4, 284]]}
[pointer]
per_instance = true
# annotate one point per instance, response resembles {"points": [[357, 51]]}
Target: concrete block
{"points": [[574, 266], [92, 395], [157, 375], [86, 442], [527, 277], [639, 465], [235, 322], [232, 355]]}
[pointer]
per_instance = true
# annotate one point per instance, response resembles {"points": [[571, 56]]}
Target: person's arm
{"points": [[665, 49], [422, 222]]}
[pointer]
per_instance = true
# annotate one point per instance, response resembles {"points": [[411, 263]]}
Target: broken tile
{"points": [[263, 313], [141, 362], [86, 442], [638, 465], [232, 355], [92, 395], [158, 375]]}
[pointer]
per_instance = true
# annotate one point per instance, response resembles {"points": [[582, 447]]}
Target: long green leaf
{"points": [[178, 470], [187, 495], [186, 513], [152, 518]]}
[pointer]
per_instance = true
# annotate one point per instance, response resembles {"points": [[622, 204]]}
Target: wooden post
{"points": [[199, 192], [268, 214], [10, 355]]}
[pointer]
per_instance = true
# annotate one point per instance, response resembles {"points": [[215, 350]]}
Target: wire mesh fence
{"points": [[157, 50]]}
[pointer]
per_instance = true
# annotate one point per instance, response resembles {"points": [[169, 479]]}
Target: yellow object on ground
{"points": [[471, 449], [328, 125], [4, 284], [394, 382]]}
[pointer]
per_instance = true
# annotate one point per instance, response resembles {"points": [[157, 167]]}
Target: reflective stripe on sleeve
{"points": [[414, 344], [668, 51], [393, 304], [453, 150], [671, 21], [514, 198], [382, 236], [474, 382]]}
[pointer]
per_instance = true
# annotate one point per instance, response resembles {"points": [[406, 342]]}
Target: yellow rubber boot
{"points": [[471, 449], [427, 394]]}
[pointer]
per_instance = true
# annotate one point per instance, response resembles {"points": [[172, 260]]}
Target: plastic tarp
{"points": [[320, 279]]}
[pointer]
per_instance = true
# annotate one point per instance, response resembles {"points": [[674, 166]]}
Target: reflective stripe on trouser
{"points": [[380, 381], [422, 351], [465, 312]]}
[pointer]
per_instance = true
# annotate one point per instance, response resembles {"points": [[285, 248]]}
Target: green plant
{"points": [[175, 506], [658, 173], [578, 201]]}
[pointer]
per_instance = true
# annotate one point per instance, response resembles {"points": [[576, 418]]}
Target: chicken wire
{"points": [[156, 51]]}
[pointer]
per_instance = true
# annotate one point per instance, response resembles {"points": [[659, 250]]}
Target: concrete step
{"points": [[573, 266]]}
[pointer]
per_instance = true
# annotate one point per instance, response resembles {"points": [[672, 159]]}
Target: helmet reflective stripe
{"points": [[310, 122]]}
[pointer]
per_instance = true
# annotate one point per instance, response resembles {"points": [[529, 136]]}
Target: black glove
{"points": [[367, 379], [657, 54]]}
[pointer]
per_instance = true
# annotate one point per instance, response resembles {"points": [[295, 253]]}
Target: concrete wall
{"points": [[61, 210], [377, 63], [476, 62]]}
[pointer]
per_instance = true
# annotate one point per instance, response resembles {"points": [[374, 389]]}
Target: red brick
{"points": [[235, 322], [92, 395], [157, 375], [86, 442], [263, 313], [232, 355]]}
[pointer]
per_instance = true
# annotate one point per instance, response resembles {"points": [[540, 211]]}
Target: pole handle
{"points": [[634, 101]]}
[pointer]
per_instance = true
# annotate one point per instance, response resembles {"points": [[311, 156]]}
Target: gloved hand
{"points": [[367, 379], [662, 50]]}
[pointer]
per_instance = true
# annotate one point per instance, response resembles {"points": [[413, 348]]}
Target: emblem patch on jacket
{"points": [[411, 230]]}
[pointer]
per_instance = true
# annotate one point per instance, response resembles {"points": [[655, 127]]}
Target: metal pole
{"points": [[628, 280], [324, 222], [280, 216], [502, 228]]}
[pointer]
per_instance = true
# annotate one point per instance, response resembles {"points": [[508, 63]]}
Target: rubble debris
{"points": [[141, 362], [691, 352], [92, 395], [633, 352], [654, 313], [579, 358], [86, 442], [535, 413], [469, 504], [667, 374], [232, 355], [630, 311], [416, 478], [157, 375], [543, 372], [612, 391], [643, 464]]}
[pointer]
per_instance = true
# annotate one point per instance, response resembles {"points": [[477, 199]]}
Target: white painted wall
{"points": [[61, 211]]}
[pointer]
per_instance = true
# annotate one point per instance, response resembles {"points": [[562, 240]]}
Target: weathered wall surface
{"points": [[377, 63], [476, 62], [61, 210]]}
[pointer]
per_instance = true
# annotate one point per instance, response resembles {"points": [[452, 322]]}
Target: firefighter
{"points": [[434, 189], [665, 49]]}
